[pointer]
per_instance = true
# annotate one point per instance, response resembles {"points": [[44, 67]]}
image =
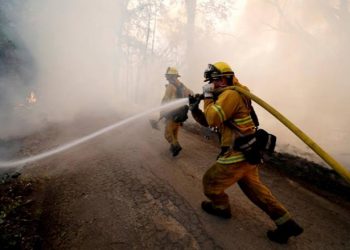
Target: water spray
{"points": [[86, 138]]}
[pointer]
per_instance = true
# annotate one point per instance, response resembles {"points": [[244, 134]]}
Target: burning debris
{"points": [[31, 99]]}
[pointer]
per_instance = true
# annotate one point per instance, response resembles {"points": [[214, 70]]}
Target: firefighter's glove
{"points": [[208, 90], [194, 100]]}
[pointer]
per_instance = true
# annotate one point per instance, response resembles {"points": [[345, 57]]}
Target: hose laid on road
{"points": [[306, 139]]}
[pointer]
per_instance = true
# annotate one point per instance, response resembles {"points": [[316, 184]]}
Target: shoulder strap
{"points": [[249, 105], [254, 116]]}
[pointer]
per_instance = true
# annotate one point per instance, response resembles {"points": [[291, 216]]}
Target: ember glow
{"points": [[32, 98]]}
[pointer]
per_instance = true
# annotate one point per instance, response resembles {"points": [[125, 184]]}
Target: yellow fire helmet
{"points": [[172, 71], [217, 70]]}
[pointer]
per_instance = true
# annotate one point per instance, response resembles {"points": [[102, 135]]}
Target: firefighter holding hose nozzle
{"points": [[174, 119], [242, 146]]}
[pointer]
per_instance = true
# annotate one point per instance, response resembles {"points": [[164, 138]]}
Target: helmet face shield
{"points": [[211, 73], [215, 72]]}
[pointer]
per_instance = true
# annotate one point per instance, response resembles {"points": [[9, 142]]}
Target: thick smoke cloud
{"points": [[294, 57], [293, 54], [72, 47]]}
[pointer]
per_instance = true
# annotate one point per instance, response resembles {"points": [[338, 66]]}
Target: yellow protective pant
{"points": [[220, 177], [171, 131]]}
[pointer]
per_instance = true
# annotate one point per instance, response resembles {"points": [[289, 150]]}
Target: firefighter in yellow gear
{"points": [[175, 89], [230, 112]]}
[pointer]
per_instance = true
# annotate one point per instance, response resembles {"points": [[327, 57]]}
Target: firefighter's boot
{"points": [[208, 207], [284, 231], [175, 149]]}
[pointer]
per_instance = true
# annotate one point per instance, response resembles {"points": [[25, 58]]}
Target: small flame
{"points": [[32, 98]]}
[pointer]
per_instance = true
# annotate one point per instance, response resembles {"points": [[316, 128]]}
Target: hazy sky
{"points": [[292, 54]]}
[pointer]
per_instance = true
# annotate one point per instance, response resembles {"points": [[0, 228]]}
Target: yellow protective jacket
{"points": [[230, 113], [173, 92]]}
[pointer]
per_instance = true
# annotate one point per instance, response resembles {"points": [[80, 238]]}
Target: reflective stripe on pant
{"points": [[220, 177], [171, 131]]}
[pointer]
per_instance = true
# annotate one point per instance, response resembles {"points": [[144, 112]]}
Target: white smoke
{"points": [[292, 54]]}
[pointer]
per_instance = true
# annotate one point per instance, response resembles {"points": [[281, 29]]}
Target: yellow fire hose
{"points": [[306, 139]]}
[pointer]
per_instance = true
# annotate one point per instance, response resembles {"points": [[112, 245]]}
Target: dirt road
{"points": [[123, 190]]}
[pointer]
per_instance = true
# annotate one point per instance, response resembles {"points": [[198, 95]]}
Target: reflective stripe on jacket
{"points": [[231, 157], [231, 114]]}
